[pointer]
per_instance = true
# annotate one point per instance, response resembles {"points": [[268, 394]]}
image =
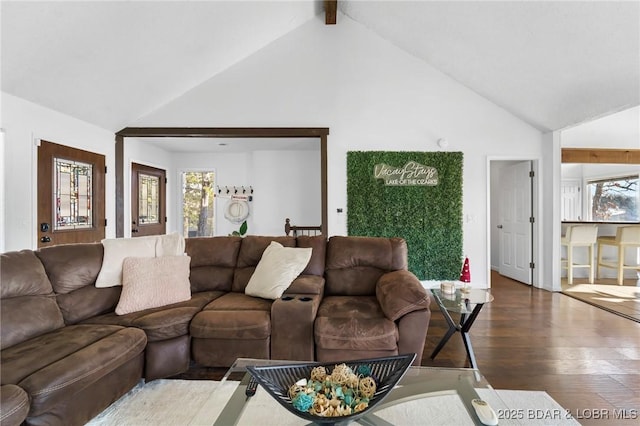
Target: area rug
{"points": [[194, 402], [620, 300]]}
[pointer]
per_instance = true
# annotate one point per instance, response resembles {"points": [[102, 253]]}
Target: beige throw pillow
{"points": [[277, 269], [151, 282]]}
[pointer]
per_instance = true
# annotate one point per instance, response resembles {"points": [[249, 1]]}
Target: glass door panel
{"points": [[148, 201], [72, 194]]}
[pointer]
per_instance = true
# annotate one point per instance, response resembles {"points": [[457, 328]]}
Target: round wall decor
{"points": [[236, 211]]}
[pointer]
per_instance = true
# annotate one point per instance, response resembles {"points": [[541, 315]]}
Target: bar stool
{"points": [[579, 236], [626, 237]]}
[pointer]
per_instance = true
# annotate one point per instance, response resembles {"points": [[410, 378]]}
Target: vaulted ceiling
{"points": [[553, 63]]}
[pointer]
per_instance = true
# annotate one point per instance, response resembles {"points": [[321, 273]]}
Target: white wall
{"points": [[618, 130], [549, 249], [599, 171], [285, 184], [24, 123], [372, 96]]}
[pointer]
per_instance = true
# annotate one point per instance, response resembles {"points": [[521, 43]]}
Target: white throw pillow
{"points": [[151, 282], [169, 245], [277, 269], [117, 249]]}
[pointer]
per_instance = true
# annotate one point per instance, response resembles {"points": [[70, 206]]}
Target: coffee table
{"points": [[420, 385], [468, 304]]}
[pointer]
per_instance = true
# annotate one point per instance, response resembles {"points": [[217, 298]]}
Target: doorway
{"points": [[148, 200], [71, 195], [307, 133], [512, 219]]}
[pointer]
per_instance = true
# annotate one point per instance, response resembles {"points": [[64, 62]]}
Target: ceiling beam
{"points": [[601, 155], [331, 11], [224, 132]]}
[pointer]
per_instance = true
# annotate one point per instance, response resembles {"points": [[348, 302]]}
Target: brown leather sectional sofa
{"points": [[66, 355]]}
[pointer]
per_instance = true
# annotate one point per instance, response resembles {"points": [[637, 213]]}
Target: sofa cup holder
{"points": [[302, 299]]}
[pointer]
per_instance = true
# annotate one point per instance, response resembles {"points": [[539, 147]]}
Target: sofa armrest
{"points": [[412, 329], [14, 405], [292, 319], [306, 284], [400, 292]]}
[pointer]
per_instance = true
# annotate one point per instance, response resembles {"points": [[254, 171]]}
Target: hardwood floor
{"points": [[586, 358], [606, 293]]}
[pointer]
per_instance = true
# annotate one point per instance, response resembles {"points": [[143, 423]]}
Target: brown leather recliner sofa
{"points": [[69, 371], [372, 305], [66, 355]]}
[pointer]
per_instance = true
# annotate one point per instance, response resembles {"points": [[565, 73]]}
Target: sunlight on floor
{"points": [[607, 294]]}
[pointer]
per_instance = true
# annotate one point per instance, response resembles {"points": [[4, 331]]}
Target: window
{"points": [[198, 219], [73, 198], [148, 202], [613, 199]]}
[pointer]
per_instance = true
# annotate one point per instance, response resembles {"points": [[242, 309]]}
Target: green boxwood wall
{"points": [[429, 218]]}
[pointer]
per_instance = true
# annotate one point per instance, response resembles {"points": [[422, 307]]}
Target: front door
{"points": [[71, 201], [516, 222], [148, 200]]}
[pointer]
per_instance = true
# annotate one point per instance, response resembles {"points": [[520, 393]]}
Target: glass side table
{"points": [[468, 304]]}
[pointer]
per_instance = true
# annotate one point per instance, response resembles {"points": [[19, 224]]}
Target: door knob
{"points": [[44, 227], [499, 226], [45, 239]]}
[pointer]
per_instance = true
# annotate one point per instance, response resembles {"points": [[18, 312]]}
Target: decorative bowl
{"points": [[277, 380]]}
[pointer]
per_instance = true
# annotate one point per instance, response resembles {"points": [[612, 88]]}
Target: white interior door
{"points": [[571, 207], [515, 222]]}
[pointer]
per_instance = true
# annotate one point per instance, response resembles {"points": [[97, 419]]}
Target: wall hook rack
{"points": [[235, 192]]}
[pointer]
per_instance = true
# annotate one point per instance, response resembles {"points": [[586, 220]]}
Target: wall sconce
{"points": [[443, 143]]}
